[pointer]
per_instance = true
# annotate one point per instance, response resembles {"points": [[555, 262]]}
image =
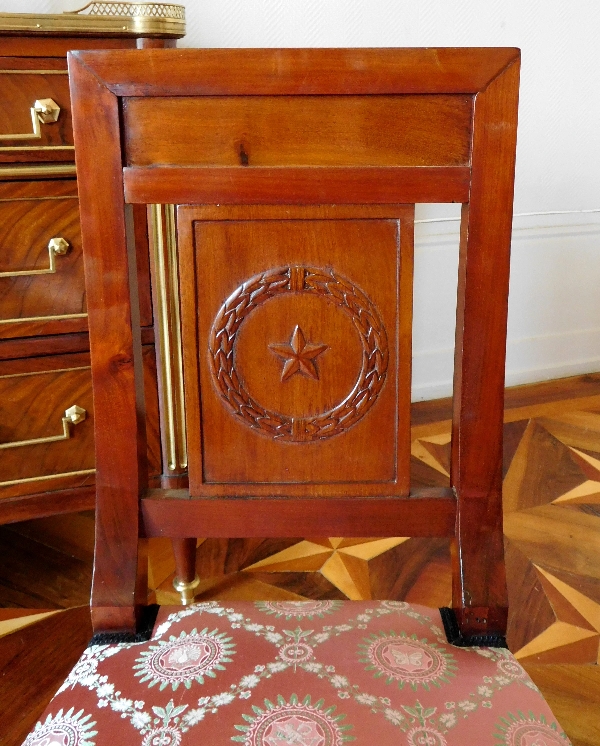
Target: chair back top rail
{"points": [[262, 72]]}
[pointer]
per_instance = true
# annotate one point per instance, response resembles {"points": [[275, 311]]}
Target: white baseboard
{"points": [[554, 307], [552, 356]]}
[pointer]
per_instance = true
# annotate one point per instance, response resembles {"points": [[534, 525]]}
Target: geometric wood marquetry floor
{"points": [[552, 525], [552, 529]]}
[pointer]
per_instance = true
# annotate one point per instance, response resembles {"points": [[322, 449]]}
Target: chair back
{"points": [[295, 173]]}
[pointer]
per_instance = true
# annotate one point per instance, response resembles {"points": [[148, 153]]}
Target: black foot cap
{"points": [[143, 635], [455, 636]]}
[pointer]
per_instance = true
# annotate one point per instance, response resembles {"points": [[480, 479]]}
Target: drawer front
{"points": [[38, 450], [42, 288], [46, 445], [31, 101]]}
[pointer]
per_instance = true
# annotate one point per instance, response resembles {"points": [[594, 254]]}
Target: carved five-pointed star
{"points": [[299, 356]]}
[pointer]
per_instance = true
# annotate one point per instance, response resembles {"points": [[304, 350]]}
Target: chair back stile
{"points": [[296, 173]]}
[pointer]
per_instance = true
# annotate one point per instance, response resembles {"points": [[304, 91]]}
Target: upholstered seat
{"points": [[309, 673], [296, 174]]}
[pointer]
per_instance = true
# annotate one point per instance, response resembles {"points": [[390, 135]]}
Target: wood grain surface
{"points": [[18, 92], [28, 650], [31, 215], [114, 336], [30, 52], [573, 693], [480, 352], [293, 131], [231, 453], [34, 394], [43, 315], [238, 272], [248, 72], [317, 185], [429, 512]]}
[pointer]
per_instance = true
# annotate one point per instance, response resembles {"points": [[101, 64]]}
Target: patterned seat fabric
{"points": [[307, 673]]}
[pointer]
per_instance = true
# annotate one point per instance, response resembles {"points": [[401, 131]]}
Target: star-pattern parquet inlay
{"points": [[552, 500], [552, 527]]}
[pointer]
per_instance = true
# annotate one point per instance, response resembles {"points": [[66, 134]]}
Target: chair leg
{"points": [[186, 580], [479, 611]]}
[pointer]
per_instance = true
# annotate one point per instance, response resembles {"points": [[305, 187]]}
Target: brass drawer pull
{"points": [[73, 416], [43, 111], [56, 247]]}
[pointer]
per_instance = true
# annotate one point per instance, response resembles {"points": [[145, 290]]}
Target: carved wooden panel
{"points": [[300, 356], [297, 336]]}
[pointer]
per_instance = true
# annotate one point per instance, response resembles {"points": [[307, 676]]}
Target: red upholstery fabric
{"points": [[314, 673]]}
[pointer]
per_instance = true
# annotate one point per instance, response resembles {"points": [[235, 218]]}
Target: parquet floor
{"points": [[552, 527]]}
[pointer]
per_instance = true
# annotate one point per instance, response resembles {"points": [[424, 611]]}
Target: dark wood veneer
{"points": [[43, 321]]}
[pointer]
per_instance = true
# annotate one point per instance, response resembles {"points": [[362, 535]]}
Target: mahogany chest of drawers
{"points": [[46, 408]]}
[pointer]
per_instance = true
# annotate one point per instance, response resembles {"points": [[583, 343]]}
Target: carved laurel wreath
{"points": [[333, 288]]}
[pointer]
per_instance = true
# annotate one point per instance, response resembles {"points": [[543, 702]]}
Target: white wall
{"points": [[554, 324]]}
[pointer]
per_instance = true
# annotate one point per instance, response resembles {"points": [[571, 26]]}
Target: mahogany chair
{"points": [[296, 173]]}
